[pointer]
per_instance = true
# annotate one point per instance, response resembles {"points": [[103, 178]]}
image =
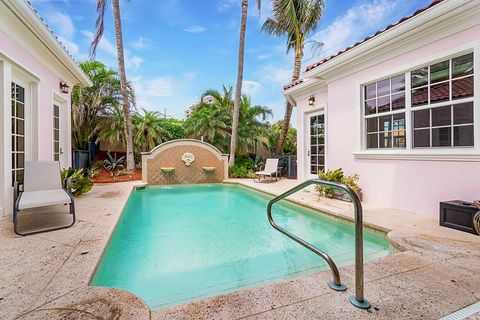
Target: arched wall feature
{"points": [[169, 155]]}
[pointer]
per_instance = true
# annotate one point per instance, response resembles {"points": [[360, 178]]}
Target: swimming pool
{"points": [[175, 244]]}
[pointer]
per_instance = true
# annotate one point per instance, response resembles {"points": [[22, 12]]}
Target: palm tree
{"points": [[238, 87], [148, 130], [90, 104], [295, 19], [112, 126], [100, 24], [213, 120]]}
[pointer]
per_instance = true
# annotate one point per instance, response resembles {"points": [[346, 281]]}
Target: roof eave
{"points": [[40, 30]]}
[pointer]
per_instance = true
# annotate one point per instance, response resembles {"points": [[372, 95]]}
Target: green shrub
{"points": [[244, 167], [80, 183], [338, 176]]}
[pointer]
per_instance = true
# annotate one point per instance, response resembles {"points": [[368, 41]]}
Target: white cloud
{"points": [[251, 87], [195, 29], [345, 30], [279, 75], [263, 57], [141, 43], [61, 22], [71, 46], [157, 87]]}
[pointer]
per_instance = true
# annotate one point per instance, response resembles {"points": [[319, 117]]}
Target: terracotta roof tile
{"points": [[292, 84]]}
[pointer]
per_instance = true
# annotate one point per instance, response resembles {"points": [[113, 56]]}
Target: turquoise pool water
{"points": [[174, 244]]}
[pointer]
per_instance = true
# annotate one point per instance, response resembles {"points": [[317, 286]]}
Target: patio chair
{"points": [[42, 187], [271, 169]]}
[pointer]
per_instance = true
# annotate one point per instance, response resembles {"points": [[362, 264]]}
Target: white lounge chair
{"points": [[42, 186], [271, 169]]}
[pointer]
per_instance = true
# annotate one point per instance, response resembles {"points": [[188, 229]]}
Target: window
{"points": [[18, 132], [439, 108], [439, 118], [384, 110], [56, 133]]}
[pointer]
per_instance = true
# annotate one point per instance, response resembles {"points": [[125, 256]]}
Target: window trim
{"points": [[454, 153]]}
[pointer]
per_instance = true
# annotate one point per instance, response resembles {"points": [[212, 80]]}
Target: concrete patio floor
{"points": [[46, 276]]}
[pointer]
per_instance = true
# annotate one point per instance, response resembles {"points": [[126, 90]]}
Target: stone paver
{"points": [[46, 276]]}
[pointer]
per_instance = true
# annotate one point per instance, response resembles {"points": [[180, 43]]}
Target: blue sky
{"points": [[176, 49]]}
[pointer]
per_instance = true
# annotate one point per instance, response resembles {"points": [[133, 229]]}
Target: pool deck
{"points": [[46, 276]]}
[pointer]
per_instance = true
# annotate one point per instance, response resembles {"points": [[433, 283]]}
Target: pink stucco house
{"points": [[400, 108], [36, 78]]}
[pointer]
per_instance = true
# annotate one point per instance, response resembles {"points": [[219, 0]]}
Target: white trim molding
{"points": [[439, 155]]}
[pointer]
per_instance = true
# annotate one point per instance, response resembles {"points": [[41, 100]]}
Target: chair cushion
{"points": [[32, 199]]}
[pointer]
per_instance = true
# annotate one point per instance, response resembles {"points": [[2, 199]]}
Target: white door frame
{"points": [[63, 135], [307, 116]]}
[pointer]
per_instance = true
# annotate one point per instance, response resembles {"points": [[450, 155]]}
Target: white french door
{"points": [[315, 143]]}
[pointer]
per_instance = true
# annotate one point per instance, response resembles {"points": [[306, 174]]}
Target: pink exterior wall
{"points": [[48, 85], [404, 184]]}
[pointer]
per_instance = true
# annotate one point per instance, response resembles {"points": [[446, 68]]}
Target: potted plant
{"points": [[338, 176]]}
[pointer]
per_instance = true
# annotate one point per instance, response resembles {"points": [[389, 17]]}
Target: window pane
{"points": [[56, 111], [372, 125], [13, 109], [398, 121], [20, 94], [441, 116], [56, 135], [462, 66], [398, 83], [463, 136], [421, 138], [20, 144], [419, 97], [13, 126], [370, 106], [439, 71], [463, 113], [419, 77], [383, 87], [313, 140], [385, 140], [56, 147], [385, 123], [398, 101], [20, 176], [313, 169], [20, 157], [440, 92], [421, 118], [56, 123], [371, 91], [372, 140], [313, 150], [441, 137], [383, 104], [399, 139], [313, 160], [321, 160], [20, 110], [19, 127], [462, 88]]}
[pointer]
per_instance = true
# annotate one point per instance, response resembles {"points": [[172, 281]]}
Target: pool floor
{"points": [[181, 243]]}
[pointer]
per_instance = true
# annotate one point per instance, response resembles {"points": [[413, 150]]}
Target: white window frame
{"points": [[431, 153]]}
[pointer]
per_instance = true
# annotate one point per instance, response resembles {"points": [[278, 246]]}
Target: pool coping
{"points": [[423, 250]]}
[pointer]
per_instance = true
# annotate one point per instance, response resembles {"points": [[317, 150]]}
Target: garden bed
{"points": [[105, 177]]}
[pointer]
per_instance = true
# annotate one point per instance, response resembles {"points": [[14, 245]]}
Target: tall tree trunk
{"points": [[238, 88], [123, 84], [288, 107]]}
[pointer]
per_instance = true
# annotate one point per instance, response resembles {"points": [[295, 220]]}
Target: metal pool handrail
{"points": [[358, 298]]}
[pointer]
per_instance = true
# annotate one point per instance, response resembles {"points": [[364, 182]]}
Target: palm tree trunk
{"points": [[123, 84], [289, 108], [238, 88]]}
